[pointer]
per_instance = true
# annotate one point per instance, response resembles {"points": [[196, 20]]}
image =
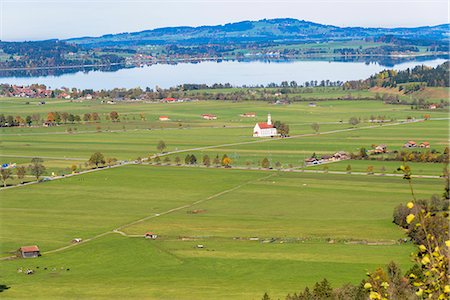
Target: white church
{"points": [[265, 129]]}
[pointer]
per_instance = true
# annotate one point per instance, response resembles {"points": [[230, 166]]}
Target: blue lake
{"points": [[209, 72]]}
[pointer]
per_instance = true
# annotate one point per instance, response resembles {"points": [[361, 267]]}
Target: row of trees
{"points": [[191, 159], [432, 156], [54, 118]]}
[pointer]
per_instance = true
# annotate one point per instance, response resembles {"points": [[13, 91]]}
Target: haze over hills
{"points": [[266, 30]]}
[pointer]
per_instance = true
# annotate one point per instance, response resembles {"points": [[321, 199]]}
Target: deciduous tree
{"points": [[96, 159], [21, 171], [37, 168], [161, 146], [5, 174]]}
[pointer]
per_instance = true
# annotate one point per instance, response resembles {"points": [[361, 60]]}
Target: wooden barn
{"points": [[29, 251]]}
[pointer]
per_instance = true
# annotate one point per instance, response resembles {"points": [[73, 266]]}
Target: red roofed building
{"points": [[29, 251], [209, 117], [425, 145], [169, 99], [265, 129], [164, 118]]}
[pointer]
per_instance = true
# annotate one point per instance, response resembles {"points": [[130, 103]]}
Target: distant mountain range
{"points": [[273, 30]]}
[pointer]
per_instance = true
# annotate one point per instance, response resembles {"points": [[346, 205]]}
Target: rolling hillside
{"points": [[273, 30]]}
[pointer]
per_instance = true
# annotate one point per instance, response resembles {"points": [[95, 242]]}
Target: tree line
{"points": [[55, 118]]}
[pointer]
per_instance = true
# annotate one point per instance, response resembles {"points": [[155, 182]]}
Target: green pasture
{"points": [[293, 151], [129, 139], [309, 226]]}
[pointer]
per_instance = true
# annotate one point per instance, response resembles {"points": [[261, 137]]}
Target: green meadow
{"points": [[309, 226], [134, 137], [261, 230]]}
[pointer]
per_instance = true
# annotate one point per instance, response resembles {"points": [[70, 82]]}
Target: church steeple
{"points": [[269, 119]]}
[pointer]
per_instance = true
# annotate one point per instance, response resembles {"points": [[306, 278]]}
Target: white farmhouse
{"points": [[265, 129]]}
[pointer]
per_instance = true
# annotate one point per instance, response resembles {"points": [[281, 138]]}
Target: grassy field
{"points": [[308, 226], [300, 241], [130, 138]]}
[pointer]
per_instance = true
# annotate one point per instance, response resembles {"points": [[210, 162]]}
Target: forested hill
{"points": [[408, 80], [273, 30]]}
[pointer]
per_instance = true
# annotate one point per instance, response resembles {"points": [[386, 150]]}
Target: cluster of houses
{"points": [[28, 92], [341, 155], [413, 144], [21, 91]]}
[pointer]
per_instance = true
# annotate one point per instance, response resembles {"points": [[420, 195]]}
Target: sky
{"points": [[47, 19]]}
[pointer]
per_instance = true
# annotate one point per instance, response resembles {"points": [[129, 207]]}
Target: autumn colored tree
{"points": [[226, 162], [51, 117], [21, 171], [87, 117], [114, 116], [95, 117]]}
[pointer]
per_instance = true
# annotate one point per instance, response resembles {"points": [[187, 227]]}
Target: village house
{"points": [[341, 155], [169, 100], [312, 104], [248, 115], [432, 106], [150, 235], [64, 95], [29, 251], [164, 118], [265, 129], [209, 117], [424, 145], [410, 144], [382, 148], [88, 97]]}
